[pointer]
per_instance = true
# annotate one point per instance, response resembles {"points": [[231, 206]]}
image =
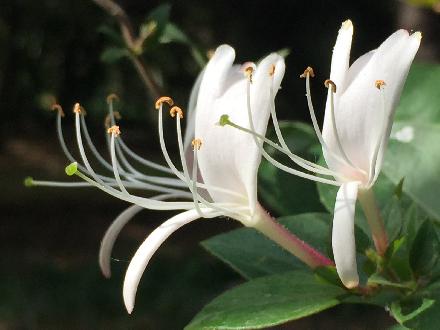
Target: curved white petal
{"points": [[341, 54], [359, 109], [343, 240], [229, 158], [144, 253], [110, 236]]}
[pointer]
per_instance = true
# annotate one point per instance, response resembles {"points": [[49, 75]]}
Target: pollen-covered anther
{"points": [[57, 107], [164, 99], [77, 108], [176, 110], [248, 69], [329, 83], [308, 72], [114, 130], [112, 97], [272, 70], [379, 84], [196, 143]]}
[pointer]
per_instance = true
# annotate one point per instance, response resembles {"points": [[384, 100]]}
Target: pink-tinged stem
{"points": [[289, 241], [374, 218]]}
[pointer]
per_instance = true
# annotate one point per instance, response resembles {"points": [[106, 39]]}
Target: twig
{"points": [[131, 41]]}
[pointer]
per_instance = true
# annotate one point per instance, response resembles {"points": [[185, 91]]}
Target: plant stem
{"points": [[131, 41], [289, 241], [374, 219]]}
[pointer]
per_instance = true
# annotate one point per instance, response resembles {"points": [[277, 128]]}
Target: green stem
{"points": [[374, 219], [289, 241]]}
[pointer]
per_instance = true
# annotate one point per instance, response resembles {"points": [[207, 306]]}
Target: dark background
{"points": [[49, 238]]}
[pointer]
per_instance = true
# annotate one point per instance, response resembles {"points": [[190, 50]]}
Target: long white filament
{"points": [[373, 175], [343, 160], [115, 164], [268, 157], [286, 150], [192, 184]]}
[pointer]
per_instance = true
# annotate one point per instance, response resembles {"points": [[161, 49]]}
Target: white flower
{"points": [[359, 113], [220, 174], [357, 127]]}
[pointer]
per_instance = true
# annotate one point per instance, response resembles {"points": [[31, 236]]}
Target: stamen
{"points": [[112, 97], [328, 83], [173, 167], [248, 69], [224, 120], [114, 130], [164, 99], [332, 90], [269, 158], [77, 108], [176, 110], [308, 72], [196, 143], [310, 166], [272, 70], [57, 107], [379, 84]]}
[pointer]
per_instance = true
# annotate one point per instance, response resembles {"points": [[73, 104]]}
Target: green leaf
{"points": [[172, 33], [425, 249], [114, 54], [420, 98], [253, 255], [268, 301], [284, 193], [418, 161], [378, 279], [411, 318], [393, 218]]}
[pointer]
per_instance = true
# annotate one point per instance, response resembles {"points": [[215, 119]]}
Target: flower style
{"points": [[359, 114], [223, 177]]}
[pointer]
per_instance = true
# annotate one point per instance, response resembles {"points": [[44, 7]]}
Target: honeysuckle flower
{"points": [[360, 107], [357, 126], [220, 177]]}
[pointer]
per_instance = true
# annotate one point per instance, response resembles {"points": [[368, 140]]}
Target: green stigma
{"points": [[224, 120], [28, 182], [71, 169]]}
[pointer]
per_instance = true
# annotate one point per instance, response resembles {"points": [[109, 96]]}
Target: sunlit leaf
{"points": [[268, 301]]}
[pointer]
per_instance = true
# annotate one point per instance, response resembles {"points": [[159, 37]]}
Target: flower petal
{"points": [[110, 236], [229, 158], [359, 109], [341, 54], [343, 240], [144, 253]]}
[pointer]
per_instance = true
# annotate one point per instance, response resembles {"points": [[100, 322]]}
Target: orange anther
{"points": [[196, 143], [114, 130], [379, 84], [58, 108], [175, 110], [164, 99], [308, 72], [329, 83]]}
